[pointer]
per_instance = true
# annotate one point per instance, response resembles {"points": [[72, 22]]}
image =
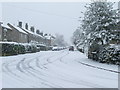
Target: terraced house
{"points": [[32, 36], [0, 31], [24, 34], [17, 34]]}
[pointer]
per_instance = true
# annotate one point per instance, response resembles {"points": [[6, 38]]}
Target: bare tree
{"points": [[59, 40]]}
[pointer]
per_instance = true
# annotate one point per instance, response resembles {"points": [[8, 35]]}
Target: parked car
{"points": [[55, 49], [71, 48]]}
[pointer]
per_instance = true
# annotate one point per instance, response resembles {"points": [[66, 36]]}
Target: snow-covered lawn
{"points": [[56, 69]]}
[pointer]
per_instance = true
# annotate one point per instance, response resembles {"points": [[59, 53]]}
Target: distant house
{"points": [[39, 38], [32, 35], [6, 33], [18, 35], [49, 39]]}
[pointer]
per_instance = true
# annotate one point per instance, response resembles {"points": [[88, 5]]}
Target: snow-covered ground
{"points": [[56, 69]]}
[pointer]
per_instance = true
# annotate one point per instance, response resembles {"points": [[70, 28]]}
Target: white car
{"points": [[55, 48]]}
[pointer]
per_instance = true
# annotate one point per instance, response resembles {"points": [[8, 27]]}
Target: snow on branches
{"points": [[100, 26]]}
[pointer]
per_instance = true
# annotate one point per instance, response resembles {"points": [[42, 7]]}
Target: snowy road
{"points": [[56, 69]]}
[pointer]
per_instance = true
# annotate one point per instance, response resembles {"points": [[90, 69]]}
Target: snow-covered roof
{"points": [[19, 29], [6, 26], [30, 32], [8, 42], [48, 37], [38, 35]]}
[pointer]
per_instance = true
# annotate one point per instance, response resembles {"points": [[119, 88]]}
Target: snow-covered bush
{"points": [[110, 54], [21, 49], [33, 48], [27, 48], [41, 47], [99, 29], [12, 48], [49, 47], [9, 49]]}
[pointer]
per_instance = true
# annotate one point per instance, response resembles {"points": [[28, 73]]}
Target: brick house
{"points": [[49, 40], [6, 33], [32, 35], [0, 31], [20, 34], [17, 34]]}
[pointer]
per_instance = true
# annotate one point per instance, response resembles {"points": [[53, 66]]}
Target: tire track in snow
{"points": [[12, 74], [37, 61], [71, 81], [7, 69], [21, 66], [34, 69], [59, 58], [84, 83]]}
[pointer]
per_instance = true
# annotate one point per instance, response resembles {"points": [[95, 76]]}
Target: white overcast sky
{"points": [[49, 17]]}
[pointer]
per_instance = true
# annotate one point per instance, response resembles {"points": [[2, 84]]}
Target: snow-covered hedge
{"points": [[105, 53], [41, 47], [49, 48], [30, 48], [11, 48], [110, 54]]}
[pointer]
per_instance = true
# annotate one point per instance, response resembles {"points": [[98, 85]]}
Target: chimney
{"points": [[32, 29], [37, 31], [20, 24], [41, 33], [45, 34], [26, 26]]}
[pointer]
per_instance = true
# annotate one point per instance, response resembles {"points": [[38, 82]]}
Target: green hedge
{"points": [[9, 49], [110, 54], [105, 53], [13, 48]]}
